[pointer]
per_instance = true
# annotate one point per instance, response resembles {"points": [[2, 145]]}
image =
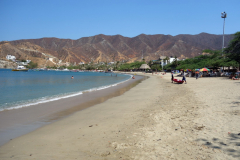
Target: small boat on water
{"points": [[20, 68]]}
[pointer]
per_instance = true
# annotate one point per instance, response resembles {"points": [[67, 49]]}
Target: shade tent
{"points": [[144, 66]]}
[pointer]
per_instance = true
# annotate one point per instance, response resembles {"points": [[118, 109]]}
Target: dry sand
{"points": [[154, 120]]}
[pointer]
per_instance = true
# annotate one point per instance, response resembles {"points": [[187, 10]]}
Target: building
{"points": [[10, 57]]}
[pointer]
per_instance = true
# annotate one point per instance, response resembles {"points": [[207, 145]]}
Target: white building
{"points": [[23, 63], [10, 57], [111, 63]]}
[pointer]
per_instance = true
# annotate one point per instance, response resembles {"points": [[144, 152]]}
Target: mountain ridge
{"points": [[105, 48]]}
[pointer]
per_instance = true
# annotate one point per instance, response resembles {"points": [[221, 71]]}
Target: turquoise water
{"points": [[23, 89]]}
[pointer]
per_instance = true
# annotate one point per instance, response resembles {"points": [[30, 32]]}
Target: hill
{"points": [[103, 48]]}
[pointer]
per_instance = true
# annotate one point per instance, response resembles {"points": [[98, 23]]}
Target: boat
{"points": [[178, 81], [66, 70], [20, 68]]}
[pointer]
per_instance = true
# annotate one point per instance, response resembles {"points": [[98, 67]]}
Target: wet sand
{"points": [[16, 122], [156, 119]]}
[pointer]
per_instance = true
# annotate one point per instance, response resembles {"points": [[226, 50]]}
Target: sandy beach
{"points": [[154, 120]]}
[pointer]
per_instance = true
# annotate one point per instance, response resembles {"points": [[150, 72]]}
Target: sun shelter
{"points": [[204, 69], [144, 67]]}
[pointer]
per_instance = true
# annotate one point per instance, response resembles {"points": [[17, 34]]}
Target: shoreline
{"points": [[57, 96], [156, 119], [20, 121]]}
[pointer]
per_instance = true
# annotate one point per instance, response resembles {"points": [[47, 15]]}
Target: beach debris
{"points": [[30, 155], [90, 125], [176, 128], [158, 139]]}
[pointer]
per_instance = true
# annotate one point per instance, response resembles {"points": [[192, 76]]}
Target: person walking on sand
{"points": [[184, 78], [172, 77]]}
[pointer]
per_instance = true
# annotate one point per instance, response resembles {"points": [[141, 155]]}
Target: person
{"points": [[172, 77], [184, 78], [235, 78], [197, 75], [133, 77], [72, 77]]}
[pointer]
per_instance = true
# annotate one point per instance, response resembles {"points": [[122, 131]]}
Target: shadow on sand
{"points": [[231, 145]]}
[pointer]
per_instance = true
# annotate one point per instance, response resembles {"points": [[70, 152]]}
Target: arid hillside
{"points": [[103, 48]]}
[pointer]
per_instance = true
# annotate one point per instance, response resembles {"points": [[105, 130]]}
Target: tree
{"points": [[32, 65], [175, 61], [167, 59], [233, 50]]}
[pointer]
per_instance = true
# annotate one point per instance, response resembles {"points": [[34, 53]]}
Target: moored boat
{"points": [[20, 68]]}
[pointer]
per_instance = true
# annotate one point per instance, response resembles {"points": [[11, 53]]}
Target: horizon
{"points": [[74, 19]]}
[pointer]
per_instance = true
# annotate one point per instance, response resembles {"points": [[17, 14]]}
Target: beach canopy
{"points": [[204, 69], [144, 66]]}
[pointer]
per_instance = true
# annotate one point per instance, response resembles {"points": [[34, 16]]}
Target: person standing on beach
{"points": [[197, 75], [172, 77], [184, 78]]}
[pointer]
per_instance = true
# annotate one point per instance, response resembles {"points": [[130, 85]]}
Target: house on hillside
{"points": [[171, 59], [111, 63], [23, 63], [10, 57]]}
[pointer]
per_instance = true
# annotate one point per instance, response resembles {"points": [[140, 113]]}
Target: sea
{"points": [[24, 89]]}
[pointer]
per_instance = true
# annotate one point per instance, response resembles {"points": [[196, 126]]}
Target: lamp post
{"points": [[223, 15]]}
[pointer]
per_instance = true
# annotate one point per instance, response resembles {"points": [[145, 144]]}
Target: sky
{"points": [[74, 19]]}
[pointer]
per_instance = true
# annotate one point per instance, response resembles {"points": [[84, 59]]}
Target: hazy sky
{"points": [[73, 19]]}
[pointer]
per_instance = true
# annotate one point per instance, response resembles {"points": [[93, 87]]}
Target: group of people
{"points": [[183, 79]]}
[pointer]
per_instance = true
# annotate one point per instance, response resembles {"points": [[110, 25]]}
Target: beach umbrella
{"points": [[144, 66], [204, 69], [197, 69]]}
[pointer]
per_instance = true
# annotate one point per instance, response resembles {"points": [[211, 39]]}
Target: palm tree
{"points": [[167, 59], [175, 61]]}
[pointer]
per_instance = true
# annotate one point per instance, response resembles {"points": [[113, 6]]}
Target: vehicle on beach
{"points": [[20, 68]]}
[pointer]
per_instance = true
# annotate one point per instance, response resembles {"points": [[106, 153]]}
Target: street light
{"points": [[223, 15]]}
